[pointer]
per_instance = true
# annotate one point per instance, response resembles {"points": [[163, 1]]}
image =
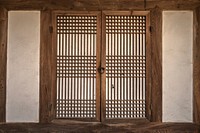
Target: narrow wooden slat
{"points": [[53, 67], [58, 50], [77, 53], [66, 83], [97, 47], [90, 53], [121, 49], [108, 64], [62, 79], [196, 67], [133, 79], [103, 64], [156, 64], [3, 62], [127, 79], [84, 80], [114, 52], [130, 79], [118, 93], [68, 87], [81, 83], [143, 83], [93, 79], [110, 78], [87, 53]]}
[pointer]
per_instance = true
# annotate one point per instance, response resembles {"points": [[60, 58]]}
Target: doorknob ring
{"points": [[101, 70]]}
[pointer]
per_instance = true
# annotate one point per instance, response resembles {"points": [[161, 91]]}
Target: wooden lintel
{"points": [[99, 4]]}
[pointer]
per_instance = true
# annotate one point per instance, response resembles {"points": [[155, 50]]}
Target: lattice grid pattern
{"points": [[76, 66], [125, 66]]}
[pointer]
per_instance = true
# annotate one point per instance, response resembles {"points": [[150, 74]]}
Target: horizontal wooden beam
{"points": [[69, 127], [98, 4]]}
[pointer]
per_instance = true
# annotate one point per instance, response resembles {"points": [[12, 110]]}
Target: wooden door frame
{"points": [[48, 71], [46, 95]]}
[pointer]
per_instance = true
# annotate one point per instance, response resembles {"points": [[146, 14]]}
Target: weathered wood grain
{"points": [[100, 128], [46, 67], [156, 66], [98, 4], [196, 65], [3, 60]]}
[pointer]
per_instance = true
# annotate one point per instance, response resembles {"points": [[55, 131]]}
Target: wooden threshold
{"points": [[101, 128]]}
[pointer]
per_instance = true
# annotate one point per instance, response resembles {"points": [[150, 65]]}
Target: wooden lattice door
{"points": [[126, 54], [77, 60], [102, 65]]}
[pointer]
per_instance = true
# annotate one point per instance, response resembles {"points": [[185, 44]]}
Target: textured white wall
{"points": [[177, 66], [23, 66]]}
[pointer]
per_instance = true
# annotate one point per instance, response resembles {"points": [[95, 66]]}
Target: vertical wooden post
{"points": [[103, 64], [3, 62], [196, 67], [98, 64], [46, 69], [156, 81]]}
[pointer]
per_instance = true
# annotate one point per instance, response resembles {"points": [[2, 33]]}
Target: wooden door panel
{"points": [[77, 62], [126, 67]]}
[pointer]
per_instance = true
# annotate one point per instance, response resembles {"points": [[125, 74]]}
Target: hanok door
{"points": [[102, 65], [78, 57]]}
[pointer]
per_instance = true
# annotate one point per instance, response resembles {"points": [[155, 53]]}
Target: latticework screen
{"points": [[76, 66], [125, 66]]}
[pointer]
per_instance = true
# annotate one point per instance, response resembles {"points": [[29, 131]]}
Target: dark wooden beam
{"points": [[45, 67], [70, 127], [3, 60], [196, 66], [156, 58], [98, 4]]}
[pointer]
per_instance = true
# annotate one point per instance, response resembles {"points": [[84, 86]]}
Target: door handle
{"points": [[101, 70]]}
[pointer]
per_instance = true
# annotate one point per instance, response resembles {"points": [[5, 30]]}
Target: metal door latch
{"points": [[101, 70]]}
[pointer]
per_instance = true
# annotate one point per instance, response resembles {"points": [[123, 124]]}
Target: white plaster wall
{"points": [[23, 66], [177, 66]]}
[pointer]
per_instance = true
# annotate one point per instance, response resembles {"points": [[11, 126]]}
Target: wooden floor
{"points": [[100, 128]]}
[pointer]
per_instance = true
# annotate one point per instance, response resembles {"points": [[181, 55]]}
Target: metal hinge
{"points": [[150, 29], [51, 29], [50, 106], [150, 110]]}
